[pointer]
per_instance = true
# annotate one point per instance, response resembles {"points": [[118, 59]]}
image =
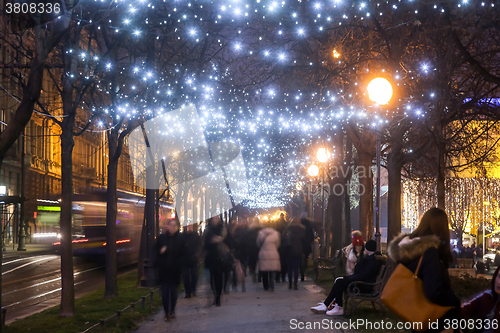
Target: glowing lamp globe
{"points": [[313, 170], [323, 155], [380, 90]]}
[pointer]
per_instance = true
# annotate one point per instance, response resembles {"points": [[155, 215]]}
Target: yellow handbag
{"points": [[404, 295]]}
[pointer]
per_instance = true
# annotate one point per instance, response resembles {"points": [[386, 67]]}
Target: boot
{"points": [[289, 284], [295, 287], [217, 300]]}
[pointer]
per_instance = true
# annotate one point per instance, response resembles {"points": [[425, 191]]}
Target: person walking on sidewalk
{"points": [[269, 259], [307, 241], [292, 242], [214, 242], [191, 260], [253, 249], [366, 270], [169, 248]]}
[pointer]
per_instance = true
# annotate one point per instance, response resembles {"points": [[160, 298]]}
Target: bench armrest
{"points": [[354, 287]]}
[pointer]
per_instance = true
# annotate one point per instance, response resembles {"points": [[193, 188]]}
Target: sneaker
{"points": [[336, 311], [331, 306], [321, 308]]}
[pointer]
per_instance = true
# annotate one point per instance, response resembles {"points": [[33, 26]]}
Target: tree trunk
{"points": [[366, 194], [335, 199], [347, 197], [460, 234], [111, 287], [440, 179], [67, 308], [394, 166]]}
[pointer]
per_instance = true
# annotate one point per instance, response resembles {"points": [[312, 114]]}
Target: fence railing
{"points": [[118, 314]]}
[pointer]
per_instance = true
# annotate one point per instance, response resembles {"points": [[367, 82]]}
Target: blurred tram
{"points": [[89, 224]]}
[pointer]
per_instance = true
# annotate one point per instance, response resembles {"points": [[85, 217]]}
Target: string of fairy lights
{"points": [[258, 83]]}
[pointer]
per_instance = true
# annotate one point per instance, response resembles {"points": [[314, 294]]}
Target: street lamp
{"points": [[380, 92]]}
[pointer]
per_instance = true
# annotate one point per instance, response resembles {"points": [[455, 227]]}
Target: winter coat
{"points": [[251, 245], [351, 258], [212, 258], [240, 234], [269, 259], [193, 249], [308, 237], [432, 272], [169, 263], [292, 240], [483, 308], [366, 270]]}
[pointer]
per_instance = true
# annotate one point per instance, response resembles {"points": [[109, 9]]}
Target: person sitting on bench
{"points": [[366, 270]]}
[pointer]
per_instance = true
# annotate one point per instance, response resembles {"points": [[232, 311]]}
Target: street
{"points": [[31, 282]]}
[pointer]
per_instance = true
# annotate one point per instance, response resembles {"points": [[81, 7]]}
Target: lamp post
{"points": [[313, 171], [322, 155], [380, 92]]}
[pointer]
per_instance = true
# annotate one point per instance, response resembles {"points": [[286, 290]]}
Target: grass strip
{"points": [[91, 308]]}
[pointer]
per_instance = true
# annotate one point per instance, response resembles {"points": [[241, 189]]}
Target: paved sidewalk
{"points": [[253, 311]]}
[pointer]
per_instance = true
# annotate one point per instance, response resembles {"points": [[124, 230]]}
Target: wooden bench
{"points": [[354, 296], [327, 264]]}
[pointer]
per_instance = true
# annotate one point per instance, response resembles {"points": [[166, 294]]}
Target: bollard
{"points": [[4, 313], [132, 309], [143, 300], [101, 329], [151, 296], [118, 313]]}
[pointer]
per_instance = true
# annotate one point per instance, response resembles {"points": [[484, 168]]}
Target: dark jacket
{"points": [[482, 308], [308, 237], [169, 263], [192, 251], [432, 272], [240, 243], [292, 240], [251, 244], [212, 259], [366, 269]]}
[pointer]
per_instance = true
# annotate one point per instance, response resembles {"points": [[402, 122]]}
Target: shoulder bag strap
{"points": [[418, 267]]}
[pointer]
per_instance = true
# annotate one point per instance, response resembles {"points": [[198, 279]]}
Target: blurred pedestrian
{"points": [[292, 241], [169, 249], [431, 242], [283, 249], [229, 272], [253, 249], [214, 239], [240, 234], [268, 242], [307, 241], [354, 251], [192, 256]]}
